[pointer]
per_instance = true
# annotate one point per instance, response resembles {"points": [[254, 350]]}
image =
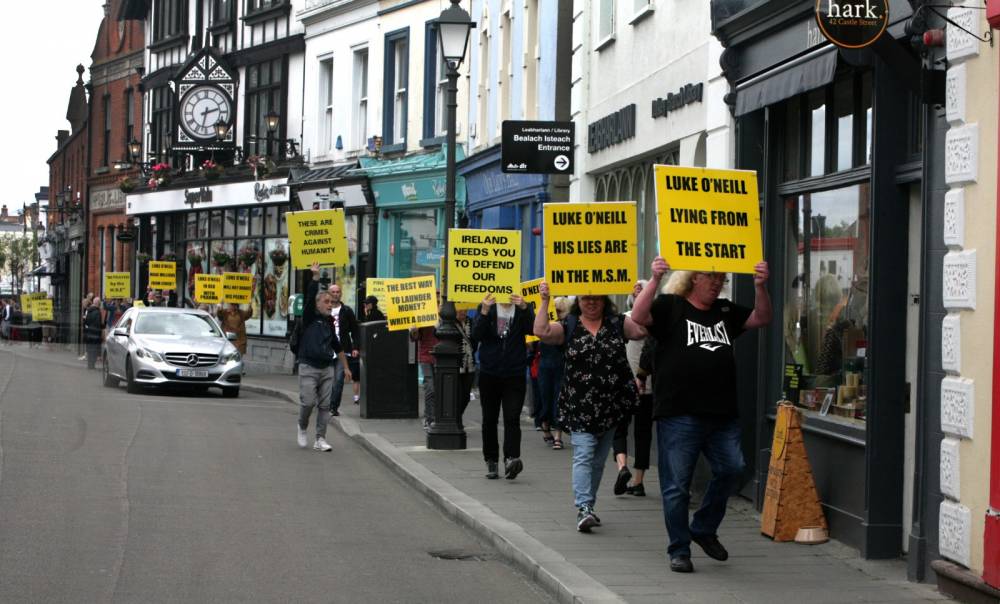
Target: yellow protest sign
{"points": [[207, 288], [162, 274], [117, 285], [376, 287], [529, 291], [139, 304], [482, 262], [237, 288], [708, 220], [317, 236], [26, 303], [41, 310], [590, 248], [411, 303]]}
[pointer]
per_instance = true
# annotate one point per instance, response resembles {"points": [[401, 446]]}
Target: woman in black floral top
{"points": [[597, 391]]}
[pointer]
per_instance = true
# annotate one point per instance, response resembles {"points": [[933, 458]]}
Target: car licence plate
{"points": [[192, 373]]}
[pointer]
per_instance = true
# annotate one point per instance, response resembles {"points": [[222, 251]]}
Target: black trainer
{"points": [[681, 564], [712, 547], [491, 470], [513, 467], [585, 520], [621, 484]]}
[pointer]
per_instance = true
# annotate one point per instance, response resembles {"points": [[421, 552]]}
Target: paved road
{"points": [[111, 497]]}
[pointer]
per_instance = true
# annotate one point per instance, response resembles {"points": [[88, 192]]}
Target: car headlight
{"points": [[145, 353], [232, 357]]}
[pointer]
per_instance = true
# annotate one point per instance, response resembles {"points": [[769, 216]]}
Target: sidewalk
{"points": [[532, 521]]}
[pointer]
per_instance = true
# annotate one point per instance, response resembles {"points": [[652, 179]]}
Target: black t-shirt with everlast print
{"points": [[695, 369]]}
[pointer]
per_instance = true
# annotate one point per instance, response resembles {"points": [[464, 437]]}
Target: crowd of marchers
{"points": [[595, 372]]}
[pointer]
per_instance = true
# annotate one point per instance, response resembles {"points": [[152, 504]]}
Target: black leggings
{"points": [[643, 432], [496, 393]]}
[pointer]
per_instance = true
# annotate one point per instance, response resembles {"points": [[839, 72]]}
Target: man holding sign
{"points": [[694, 390]]}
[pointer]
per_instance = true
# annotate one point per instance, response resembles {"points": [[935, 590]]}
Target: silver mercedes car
{"points": [[171, 346]]}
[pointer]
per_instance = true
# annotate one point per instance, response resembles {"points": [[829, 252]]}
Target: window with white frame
{"points": [[325, 138], [440, 96], [360, 132], [604, 17], [504, 77], [482, 134], [400, 80]]}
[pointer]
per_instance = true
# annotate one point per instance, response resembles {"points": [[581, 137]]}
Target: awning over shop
{"points": [[344, 183], [418, 178], [808, 72]]}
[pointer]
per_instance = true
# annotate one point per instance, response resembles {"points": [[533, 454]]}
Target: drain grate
{"points": [[461, 555]]}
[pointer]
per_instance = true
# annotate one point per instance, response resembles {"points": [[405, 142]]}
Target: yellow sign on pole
{"points": [[26, 303], [117, 285], [317, 236], [162, 274], [482, 262], [207, 288], [411, 303], [591, 248], [237, 288], [529, 291], [41, 310], [375, 286], [708, 220]]}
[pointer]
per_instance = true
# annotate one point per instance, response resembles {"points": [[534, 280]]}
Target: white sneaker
{"points": [[303, 441], [322, 445]]}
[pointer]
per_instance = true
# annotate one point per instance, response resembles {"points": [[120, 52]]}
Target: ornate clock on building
{"points": [[201, 108]]}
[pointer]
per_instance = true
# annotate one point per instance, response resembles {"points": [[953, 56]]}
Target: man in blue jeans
{"points": [[694, 389]]}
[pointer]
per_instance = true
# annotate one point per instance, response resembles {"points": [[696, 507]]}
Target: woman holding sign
{"points": [[598, 389], [500, 331]]}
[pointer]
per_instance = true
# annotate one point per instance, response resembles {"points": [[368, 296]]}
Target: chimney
{"points": [[61, 137], [3, 212]]}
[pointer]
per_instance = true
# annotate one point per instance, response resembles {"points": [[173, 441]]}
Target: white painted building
{"points": [[646, 89]]}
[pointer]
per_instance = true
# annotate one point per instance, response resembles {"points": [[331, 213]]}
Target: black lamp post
{"points": [[453, 26]]}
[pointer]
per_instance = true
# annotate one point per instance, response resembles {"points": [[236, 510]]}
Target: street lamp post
{"points": [[453, 27]]}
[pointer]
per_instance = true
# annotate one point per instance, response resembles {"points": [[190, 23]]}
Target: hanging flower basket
{"points": [[194, 259], [160, 176], [279, 257], [126, 184], [143, 257], [222, 259], [249, 257], [168, 258]]}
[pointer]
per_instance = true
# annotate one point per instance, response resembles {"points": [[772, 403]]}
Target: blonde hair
{"points": [[680, 283], [561, 305]]}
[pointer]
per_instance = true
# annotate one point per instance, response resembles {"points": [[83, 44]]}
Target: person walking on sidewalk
{"points": [[598, 389], [500, 330], [426, 341], [694, 388], [92, 328], [345, 324], [641, 418], [550, 375], [318, 352]]}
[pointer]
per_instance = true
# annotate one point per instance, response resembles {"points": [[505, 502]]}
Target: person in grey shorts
{"points": [[319, 350]]}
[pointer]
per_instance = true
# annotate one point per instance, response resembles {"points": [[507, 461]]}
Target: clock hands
{"points": [[204, 115]]}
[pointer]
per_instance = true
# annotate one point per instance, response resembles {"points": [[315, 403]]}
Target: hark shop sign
{"points": [[852, 23]]}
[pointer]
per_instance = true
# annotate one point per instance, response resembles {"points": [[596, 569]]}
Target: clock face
{"points": [[201, 108]]}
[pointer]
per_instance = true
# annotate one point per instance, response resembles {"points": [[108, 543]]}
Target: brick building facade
{"points": [[116, 119]]}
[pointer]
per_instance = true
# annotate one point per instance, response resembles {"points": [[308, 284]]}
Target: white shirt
{"points": [[335, 315]]}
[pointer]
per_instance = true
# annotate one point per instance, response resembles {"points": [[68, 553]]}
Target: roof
{"points": [[321, 175]]}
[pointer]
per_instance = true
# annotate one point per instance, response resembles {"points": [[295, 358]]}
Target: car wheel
{"points": [[110, 381], [231, 392], [130, 384]]}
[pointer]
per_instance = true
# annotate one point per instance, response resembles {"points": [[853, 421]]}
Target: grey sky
{"points": [[44, 42]]}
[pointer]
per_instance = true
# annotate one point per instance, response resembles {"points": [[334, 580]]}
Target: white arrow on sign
{"points": [[561, 162]]}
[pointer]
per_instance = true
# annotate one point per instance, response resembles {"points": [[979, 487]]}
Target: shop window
{"points": [[249, 259], [826, 300], [256, 221], [844, 109], [195, 262], [866, 105], [192, 225], [229, 224], [223, 260], [417, 245], [271, 220], [242, 222], [282, 221], [202, 225], [216, 223], [275, 292]]}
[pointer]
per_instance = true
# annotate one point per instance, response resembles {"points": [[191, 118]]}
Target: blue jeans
{"points": [[338, 386], [549, 384], [679, 441], [590, 453]]}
